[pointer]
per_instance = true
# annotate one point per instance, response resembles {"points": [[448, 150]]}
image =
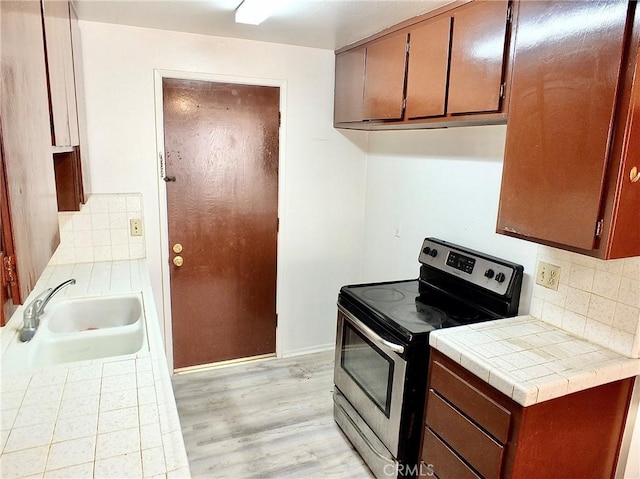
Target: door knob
{"points": [[634, 175], [178, 261], [177, 248]]}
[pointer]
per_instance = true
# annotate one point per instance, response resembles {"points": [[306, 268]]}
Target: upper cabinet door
{"points": [[477, 57], [428, 69], [62, 87], [386, 64], [563, 94], [26, 142], [349, 86], [625, 230]]}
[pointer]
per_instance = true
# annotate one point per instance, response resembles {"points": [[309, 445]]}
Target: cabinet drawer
{"points": [[442, 460], [471, 443], [487, 413]]}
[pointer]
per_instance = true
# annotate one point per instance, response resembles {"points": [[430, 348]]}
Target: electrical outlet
{"points": [[548, 275], [136, 227]]}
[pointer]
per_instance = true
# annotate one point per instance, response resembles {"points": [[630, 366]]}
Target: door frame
{"points": [[159, 74]]}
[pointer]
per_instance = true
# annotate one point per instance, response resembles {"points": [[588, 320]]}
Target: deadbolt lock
{"points": [[177, 248], [178, 261]]}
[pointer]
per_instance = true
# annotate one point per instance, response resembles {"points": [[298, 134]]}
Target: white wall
{"points": [[443, 183], [322, 170]]}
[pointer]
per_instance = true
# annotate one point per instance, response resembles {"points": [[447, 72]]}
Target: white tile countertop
{"points": [[531, 361], [114, 417]]}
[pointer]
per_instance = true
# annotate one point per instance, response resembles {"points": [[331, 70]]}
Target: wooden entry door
{"points": [[221, 146]]}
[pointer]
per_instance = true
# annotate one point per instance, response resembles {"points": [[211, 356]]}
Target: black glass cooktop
{"points": [[400, 304]]}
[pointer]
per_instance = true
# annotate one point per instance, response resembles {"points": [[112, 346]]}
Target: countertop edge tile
{"points": [[566, 376], [501, 381], [479, 366], [525, 393]]}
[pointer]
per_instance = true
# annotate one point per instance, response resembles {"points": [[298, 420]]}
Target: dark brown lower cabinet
{"points": [[474, 431]]}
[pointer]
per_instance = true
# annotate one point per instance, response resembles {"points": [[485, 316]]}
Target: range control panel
{"points": [[474, 267]]}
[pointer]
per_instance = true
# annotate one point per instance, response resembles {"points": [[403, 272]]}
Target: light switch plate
{"points": [[136, 227], [548, 275]]}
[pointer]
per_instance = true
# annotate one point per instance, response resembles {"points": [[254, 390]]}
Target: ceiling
{"points": [[326, 24]]}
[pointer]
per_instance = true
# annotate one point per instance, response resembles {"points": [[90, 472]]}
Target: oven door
{"points": [[370, 373]]}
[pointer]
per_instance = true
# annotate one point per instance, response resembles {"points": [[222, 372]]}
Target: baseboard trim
{"points": [[222, 364], [310, 350]]}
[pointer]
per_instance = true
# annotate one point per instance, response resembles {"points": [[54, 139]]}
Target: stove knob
{"points": [[500, 277], [489, 273], [426, 250], [433, 253]]}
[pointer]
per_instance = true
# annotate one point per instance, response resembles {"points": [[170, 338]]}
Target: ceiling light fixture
{"points": [[254, 12]]}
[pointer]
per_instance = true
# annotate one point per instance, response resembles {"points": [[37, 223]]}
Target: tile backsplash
{"points": [[100, 230], [597, 300]]}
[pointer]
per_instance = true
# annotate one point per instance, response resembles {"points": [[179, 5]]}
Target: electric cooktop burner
{"points": [[400, 303], [386, 295], [419, 314]]}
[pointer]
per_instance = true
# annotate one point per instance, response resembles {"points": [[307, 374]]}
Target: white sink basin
{"points": [[82, 329], [91, 314]]}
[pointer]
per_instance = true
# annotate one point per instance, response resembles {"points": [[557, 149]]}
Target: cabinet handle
{"points": [[634, 175]]}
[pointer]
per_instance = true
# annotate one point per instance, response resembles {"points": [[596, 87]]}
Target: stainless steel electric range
{"points": [[382, 348]]}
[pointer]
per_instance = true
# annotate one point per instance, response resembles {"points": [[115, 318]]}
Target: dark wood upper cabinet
{"points": [[621, 214], [370, 81], [478, 54], [62, 52], [428, 69], [26, 145], [386, 61], [60, 68], [452, 73], [349, 87], [566, 177], [68, 171]]}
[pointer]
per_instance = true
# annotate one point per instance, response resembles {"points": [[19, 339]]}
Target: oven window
{"points": [[368, 366]]}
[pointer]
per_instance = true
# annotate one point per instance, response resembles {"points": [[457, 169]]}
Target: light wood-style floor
{"points": [[271, 418]]}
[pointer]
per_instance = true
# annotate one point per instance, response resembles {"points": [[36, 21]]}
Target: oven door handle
{"points": [[370, 333]]}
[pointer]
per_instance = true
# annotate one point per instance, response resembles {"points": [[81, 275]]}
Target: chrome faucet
{"points": [[31, 316]]}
